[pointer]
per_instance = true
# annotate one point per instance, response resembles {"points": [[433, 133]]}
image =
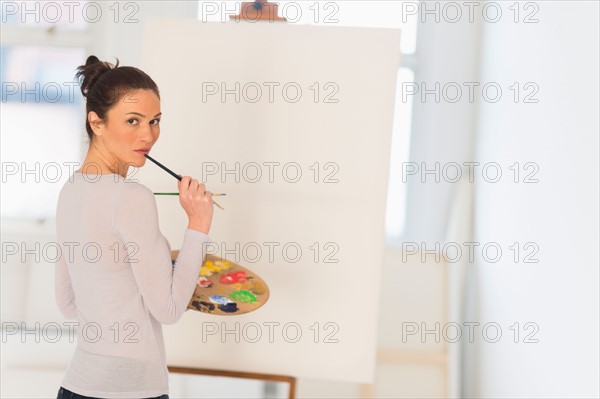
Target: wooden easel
{"points": [[238, 374]]}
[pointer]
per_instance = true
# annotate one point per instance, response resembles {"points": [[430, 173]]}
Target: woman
{"points": [[115, 274]]}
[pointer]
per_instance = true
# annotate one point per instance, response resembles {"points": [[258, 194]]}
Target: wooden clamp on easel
{"points": [[259, 10]]}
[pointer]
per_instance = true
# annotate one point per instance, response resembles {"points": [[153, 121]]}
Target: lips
{"points": [[143, 150]]}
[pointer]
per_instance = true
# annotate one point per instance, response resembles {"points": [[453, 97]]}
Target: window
{"points": [[396, 201], [42, 123], [62, 15]]}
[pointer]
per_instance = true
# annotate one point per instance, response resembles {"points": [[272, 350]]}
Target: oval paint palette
{"points": [[225, 288]]}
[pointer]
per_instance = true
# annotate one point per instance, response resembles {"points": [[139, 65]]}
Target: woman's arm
{"points": [[166, 289], [63, 290]]}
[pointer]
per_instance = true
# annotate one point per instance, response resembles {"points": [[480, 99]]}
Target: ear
{"points": [[96, 123]]}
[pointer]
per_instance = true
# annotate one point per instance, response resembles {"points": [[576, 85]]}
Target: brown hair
{"points": [[103, 85]]}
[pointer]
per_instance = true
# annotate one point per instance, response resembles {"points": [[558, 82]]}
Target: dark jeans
{"points": [[64, 393]]}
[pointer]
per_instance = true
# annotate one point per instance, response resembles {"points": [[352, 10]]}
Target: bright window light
{"points": [[42, 127], [396, 201]]}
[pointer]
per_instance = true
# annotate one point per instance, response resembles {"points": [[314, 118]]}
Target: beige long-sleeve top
{"points": [[115, 276]]}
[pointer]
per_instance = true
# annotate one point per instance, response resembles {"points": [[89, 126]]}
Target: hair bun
{"points": [[89, 73]]}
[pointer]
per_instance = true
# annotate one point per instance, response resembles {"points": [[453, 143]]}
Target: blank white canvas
{"points": [[321, 318]]}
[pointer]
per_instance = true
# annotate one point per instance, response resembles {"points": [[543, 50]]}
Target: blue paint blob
{"points": [[219, 300], [229, 308]]}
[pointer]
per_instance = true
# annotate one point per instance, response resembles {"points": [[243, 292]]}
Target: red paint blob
{"points": [[236, 277]]}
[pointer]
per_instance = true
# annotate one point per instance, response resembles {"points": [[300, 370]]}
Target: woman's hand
{"points": [[197, 203]]}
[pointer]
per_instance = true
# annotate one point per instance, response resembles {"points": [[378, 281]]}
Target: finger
{"points": [[193, 185], [184, 182]]}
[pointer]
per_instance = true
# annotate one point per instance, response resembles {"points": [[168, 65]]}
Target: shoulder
{"points": [[132, 193], [134, 208], [134, 188]]}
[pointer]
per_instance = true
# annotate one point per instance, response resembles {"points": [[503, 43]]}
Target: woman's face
{"points": [[130, 129]]}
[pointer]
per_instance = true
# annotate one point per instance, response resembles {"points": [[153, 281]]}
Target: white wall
{"points": [[560, 213]]}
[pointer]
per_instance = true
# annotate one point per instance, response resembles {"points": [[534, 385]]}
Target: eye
{"points": [[155, 121], [132, 121]]}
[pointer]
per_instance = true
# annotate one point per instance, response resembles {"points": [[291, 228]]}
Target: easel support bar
{"points": [[239, 374]]}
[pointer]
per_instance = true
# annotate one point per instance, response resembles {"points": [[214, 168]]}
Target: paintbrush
{"points": [[175, 175]]}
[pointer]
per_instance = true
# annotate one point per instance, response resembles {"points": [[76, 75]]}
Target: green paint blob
{"points": [[243, 296]]}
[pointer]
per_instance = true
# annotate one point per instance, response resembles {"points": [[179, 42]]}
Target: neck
{"points": [[100, 161]]}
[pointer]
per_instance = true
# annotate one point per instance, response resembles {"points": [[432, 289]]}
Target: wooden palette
{"points": [[225, 288]]}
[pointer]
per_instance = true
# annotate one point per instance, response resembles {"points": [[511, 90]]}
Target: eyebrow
{"points": [[142, 115]]}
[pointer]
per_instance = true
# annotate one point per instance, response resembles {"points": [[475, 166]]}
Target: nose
{"points": [[146, 135]]}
